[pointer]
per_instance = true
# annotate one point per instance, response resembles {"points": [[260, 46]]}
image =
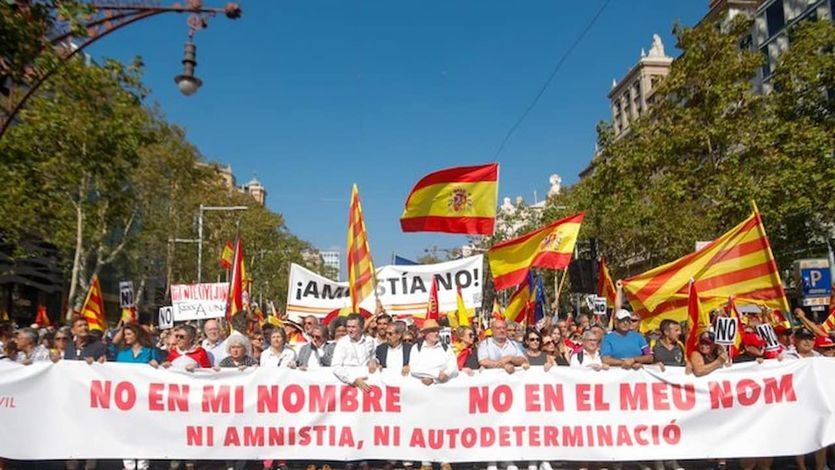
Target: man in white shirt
{"points": [[430, 360], [499, 351], [351, 351], [215, 342], [589, 356]]}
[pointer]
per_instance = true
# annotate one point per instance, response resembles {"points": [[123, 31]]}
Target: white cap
{"points": [[623, 314]]}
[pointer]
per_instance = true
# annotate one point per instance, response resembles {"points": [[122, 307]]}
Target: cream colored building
{"points": [[226, 177], [634, 94]]}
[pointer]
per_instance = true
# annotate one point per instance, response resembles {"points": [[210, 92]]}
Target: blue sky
{"points": [[312, 96]]}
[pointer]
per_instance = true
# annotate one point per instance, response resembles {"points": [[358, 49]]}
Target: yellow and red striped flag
{"points": [[227, 256], [605, 286], [129, 315], [238, 287], [454, 200], [829, 324], [464, 313], [738, 263], [361, 276], [522, 302], [699, 319], [93, 308], [548, 247]]}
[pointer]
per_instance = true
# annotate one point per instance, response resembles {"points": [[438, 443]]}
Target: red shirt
{"points": [[197, 353]]}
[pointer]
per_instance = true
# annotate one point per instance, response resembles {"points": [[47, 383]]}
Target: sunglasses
{"points": [[534, 338], [546, 343], [61, 338], [408, 340], [180, 336], [317, 337], [392, 333]]}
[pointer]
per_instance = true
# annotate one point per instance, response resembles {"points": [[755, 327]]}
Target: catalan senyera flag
{"points": [[93, 308], [361, 276], [548, 247], [238, 287], [523, 301], [829, 324], [227, 256], [42, 319], [739, 264], [129, 315], [605, 286], [698, 317], [454, 200]]}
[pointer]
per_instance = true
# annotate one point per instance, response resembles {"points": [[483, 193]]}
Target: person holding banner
{"points": [[431, 360], [753, 349], [467, 353], [825, 346], [623, 347], [589, 356], [353, 350], [187, 355], [708, 356], [28, 349], [84, 346], [499, 351], [668, 350], [238, 353], [279, 354], [804, 345], [136, 346], [214, 344], [393, 354], [318, 352]]}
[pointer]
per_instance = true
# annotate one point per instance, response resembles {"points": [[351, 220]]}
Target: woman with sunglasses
{"points": [[708, 356], [62, 338], [533, 349], [468, 353]]}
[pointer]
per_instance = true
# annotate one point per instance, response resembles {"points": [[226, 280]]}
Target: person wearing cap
{"points": [[825, 346], [623, 347], [753, 349], [804, 345]]}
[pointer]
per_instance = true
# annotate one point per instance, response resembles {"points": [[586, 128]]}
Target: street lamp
{"points": [[108, 17], [187, 82], [200, 233]]}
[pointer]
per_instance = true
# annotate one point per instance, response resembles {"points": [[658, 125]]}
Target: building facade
{"points": [[226, 178], [332, 261]]}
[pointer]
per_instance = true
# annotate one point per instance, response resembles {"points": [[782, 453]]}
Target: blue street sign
{"points": [[816, 281]]}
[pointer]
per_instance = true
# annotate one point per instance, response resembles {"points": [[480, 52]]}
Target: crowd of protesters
{"points": [[354, 347]]}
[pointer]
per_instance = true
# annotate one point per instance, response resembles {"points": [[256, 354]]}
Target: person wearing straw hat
{"points": [[431, 360]]}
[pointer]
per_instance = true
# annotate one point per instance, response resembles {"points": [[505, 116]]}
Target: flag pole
{"points": [[559, 289]]}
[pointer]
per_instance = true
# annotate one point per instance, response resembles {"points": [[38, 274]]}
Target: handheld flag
{"points": [[42, 319], [548, 247], [699, 320], [605, 286], [540, 301], [227, 256], [238, 288], [129, 315], [522, 301], [361, 277], [93, 308], [432, 312], [738, 263], [829, 324], [454, 200], [737, 346], [497, 313], [463, 312]]}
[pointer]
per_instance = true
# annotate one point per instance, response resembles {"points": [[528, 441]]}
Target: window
{"points": [[766, 63], [775, 19]]}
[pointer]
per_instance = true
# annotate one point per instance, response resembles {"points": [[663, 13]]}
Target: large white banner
{"points": [[132, 410], [403, 290], [199, 301]]}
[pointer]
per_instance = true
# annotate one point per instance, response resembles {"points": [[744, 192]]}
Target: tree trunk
{"points": [[79, 244]]}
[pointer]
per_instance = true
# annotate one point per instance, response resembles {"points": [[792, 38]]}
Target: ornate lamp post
{"points": [[107, 18]]}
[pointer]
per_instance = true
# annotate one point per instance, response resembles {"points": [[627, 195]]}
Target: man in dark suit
{"points": [[393, 354]]}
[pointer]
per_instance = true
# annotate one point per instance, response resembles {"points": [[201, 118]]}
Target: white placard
{"points": [[767, 333], [166, 318], [600, 306], [126, 294], [199, 301], [726, 329]]}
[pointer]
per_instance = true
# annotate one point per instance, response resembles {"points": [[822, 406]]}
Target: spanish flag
{"points": [[548, 247], [464, 313], [738, 263], [432, 312], [454, 200], [227, 255], [42, 319], [605, 286], [238, 289], [361, 276], [93, 308]]}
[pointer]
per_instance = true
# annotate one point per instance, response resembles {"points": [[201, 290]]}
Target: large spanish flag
{"points": [[361, 276], [454, 200], [93, 308], [738, 264], [548, 247]]}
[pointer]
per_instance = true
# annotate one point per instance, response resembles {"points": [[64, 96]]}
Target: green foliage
{"points": [[689, 169]]}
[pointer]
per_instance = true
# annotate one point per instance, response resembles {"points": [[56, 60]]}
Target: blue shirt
{"points": [[145, 355], [620, 346]]}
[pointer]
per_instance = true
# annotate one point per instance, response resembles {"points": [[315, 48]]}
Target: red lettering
{"points": [[633, 398], [583, 396], [177, 397], [155, 397], [348, 399], [532, 398], [214, 402], [479, 399], [720, 394], [293, 398], [268, 398], [100, 394], [393, 399], [775, 392], [660, 400], [254, 436], [371, 400], [684, 398], [747, 392], [572, 436]]}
